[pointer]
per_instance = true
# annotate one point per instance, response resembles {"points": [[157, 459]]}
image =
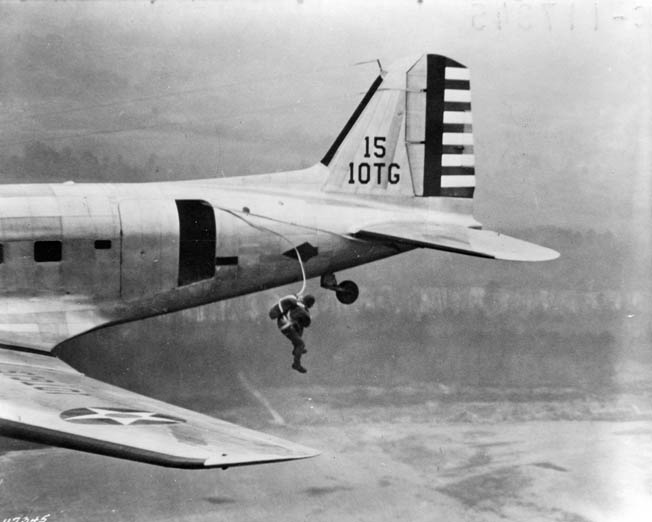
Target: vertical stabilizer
{"points": [[410, 135]]}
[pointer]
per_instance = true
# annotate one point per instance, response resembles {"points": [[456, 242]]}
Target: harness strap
{"points": [[285, 319], [286, 326]]}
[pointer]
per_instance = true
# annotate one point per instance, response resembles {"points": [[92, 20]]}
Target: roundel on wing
{"points": [[117, 416]]}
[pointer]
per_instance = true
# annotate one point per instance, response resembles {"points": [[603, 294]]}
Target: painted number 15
{"points": [[378, 146]]}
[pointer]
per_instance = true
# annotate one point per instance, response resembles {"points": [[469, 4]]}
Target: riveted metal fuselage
{"points": [[135, 272], [129, 251]]}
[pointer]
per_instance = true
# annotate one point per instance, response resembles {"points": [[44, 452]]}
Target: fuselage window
{"points": [[47, 251], [102, 244], [226, 261], [2, 254]]}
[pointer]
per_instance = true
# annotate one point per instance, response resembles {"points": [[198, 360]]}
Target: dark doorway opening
{"points": [[196, 241]]}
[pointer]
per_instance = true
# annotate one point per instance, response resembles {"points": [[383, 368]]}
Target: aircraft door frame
{"points": [[197, 241]]}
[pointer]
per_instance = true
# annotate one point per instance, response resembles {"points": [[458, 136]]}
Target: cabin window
{"points": [[102, 244], [226, 261], [2, 254], [47, 251]]}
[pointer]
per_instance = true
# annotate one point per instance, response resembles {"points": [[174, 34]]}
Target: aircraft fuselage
{"points": [[137, 250]]}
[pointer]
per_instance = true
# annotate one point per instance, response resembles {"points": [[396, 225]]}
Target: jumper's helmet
{"points": [[308, 300]]}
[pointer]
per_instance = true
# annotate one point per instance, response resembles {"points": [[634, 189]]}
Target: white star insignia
{"points": [[121, 416]]}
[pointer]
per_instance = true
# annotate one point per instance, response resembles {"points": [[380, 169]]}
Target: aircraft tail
{"points": [[411, 135]]}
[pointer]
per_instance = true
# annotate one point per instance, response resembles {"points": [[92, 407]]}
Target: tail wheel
{"points": [[347, 292]]}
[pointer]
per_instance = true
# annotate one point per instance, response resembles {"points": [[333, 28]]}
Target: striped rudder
{"points": [[439, 136]]}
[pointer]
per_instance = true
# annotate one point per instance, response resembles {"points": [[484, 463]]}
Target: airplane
{"points": [[76, 257]]}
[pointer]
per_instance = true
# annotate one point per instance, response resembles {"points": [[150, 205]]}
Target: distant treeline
{"points": [[492, 300], [590, 262], [42, 163], [177, 358]]}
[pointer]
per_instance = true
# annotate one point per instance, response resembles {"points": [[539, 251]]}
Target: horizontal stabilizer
{"points": [[461, 240], [46, 401]]}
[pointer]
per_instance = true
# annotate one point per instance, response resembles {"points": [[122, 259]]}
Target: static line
{"points": [[265, 229]]}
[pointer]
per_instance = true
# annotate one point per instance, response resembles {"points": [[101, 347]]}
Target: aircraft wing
{"points": [[44, 400], [461, 240]]}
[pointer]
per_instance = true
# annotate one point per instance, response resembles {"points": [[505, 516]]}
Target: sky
{"points": [[561, 91]]}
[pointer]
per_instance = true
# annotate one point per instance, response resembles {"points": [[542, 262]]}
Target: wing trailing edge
{"points": [[457, 239]]}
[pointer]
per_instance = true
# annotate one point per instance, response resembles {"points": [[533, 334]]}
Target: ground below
{"points": [[427, 452]]}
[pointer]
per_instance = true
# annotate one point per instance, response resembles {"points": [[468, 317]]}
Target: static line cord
{"points": [[265, 229]]}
